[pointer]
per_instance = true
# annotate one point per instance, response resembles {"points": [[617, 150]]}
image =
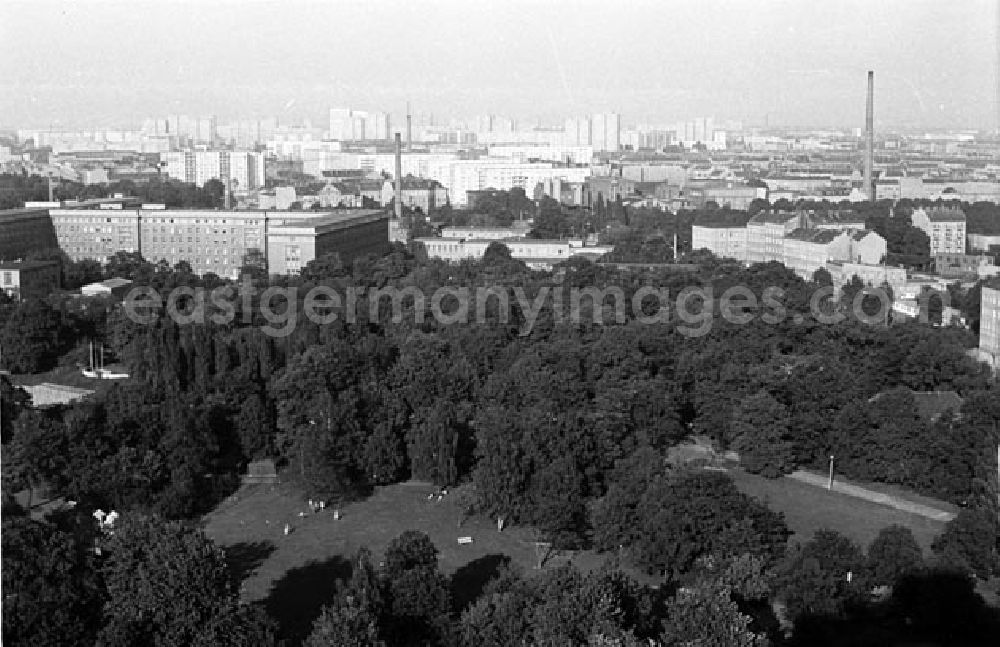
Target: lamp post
{"points": [[829, 484]]}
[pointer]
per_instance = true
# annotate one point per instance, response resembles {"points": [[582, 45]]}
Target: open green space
{"points": [[808, 508]]}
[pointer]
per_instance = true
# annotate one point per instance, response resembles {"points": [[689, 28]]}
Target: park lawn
{"points": [[251, 524], [808, 508]]}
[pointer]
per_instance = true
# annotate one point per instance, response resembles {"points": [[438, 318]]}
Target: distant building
{"points": [[606, 132], [535, 253], [29, 279], [518, 229], [244, 169], [291, 245], [970, 266], [944, 226], [721, 239], [989, 323], [807, 250], [766, 233], [983, 242], [417, 193]]}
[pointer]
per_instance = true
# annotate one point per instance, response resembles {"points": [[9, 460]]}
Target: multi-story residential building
{"points": [[95, 233], [577, 132], [945, 226], [291, 245], [721, 239], [606, 132], [25, 230], [989, 323], [867, 247], [211, 241], [766, 233], [969, 266], [842, 272], [244, 169], [417, 193], [807, 250], [29, 279]]}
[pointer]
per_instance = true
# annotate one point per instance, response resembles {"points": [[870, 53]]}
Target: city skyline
{"points": [[936, 66]]}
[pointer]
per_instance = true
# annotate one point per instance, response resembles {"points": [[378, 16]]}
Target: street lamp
{"points": [[829, 484]]}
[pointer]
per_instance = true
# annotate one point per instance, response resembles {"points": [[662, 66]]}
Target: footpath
{"points": [[875, 497]]}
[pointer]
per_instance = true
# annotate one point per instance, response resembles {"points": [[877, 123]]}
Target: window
{"points": [[8, 278]]}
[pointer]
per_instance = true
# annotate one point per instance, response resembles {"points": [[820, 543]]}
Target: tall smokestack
{"points": [[870, 138], [399, 177], [409, 128]]}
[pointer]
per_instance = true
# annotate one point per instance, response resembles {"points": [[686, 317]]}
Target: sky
{"points": [[786, 62]]}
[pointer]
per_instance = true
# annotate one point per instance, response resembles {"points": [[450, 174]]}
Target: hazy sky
{"points": [[800, 62]]}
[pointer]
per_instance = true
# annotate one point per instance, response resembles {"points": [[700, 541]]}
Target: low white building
{"points": [[536, 253]]}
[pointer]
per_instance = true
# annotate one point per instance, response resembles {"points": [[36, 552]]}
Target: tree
{"points": [[417, 592], [969, 543], [706, 615], [824, 577], [166, 584], [32, 338], [354, 618], [666, 521], [892, 554], [52, 595], [762, 436]]}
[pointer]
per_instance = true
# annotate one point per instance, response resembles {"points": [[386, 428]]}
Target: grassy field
{"points": [[295, 575], [808, 508]]}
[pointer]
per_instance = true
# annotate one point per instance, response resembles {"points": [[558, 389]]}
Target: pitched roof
{"points": [[941, 214], [859, 234]]}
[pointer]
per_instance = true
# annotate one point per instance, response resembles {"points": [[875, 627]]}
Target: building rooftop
{"points": [[334, 218], [945, 214], [773, 217], [817, 236], [859, 234]]}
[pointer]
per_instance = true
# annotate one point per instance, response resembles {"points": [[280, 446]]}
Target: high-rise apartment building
{"points": [[244, 169], [577, 131], [355, 125], [606, 132]]}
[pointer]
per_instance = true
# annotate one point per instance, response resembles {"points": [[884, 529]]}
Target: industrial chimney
{"points": [[870, 138], [409, 128], [399, 177]]}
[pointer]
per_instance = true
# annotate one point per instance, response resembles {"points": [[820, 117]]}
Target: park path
{"points": [[873, 496]]}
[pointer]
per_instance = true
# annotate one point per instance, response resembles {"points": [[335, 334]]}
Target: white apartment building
{"points": [[766, 234], [245, 169], [944, 226], [720, 239], [352, 125], [606, 132], [807, 250], [989, 323], [542, 152]]}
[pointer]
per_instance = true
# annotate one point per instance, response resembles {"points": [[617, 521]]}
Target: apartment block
{"points": [[989, 323], [945, 226], [244, 169], [721, 239]]}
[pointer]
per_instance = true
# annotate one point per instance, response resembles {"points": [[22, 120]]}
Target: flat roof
{"points": [[27, 265], [325, 220]]}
